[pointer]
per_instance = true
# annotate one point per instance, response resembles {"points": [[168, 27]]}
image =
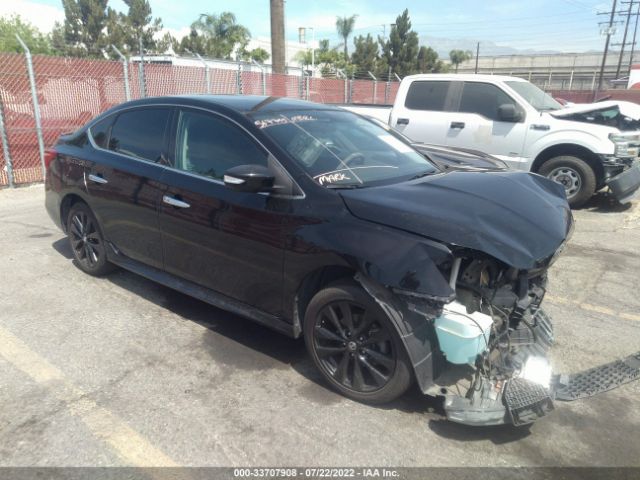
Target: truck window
{"points": [[483, 99], [427, 95]]}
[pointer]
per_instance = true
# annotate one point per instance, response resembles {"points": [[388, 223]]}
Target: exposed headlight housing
{"points": [[625, 146], [537, 370]]}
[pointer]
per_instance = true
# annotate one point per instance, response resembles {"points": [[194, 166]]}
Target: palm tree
{"points": [[221, 33], [345, 26], [459, 56]]}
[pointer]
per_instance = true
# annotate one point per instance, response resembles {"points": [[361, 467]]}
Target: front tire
{"points": [[577, 177], [355, 346], [86, 241]]}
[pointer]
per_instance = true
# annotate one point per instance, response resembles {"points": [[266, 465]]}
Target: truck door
{"points": [[424, 116], [477, 124]]}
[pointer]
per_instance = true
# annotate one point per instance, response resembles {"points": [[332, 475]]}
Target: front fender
{"points": [[594, 143], [401, 261]]}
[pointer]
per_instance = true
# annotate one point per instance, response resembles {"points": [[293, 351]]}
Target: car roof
{"points": [[465, 77], [239, 103]]}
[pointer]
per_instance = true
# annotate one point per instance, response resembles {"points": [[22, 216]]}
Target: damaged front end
{"points": [[509, 381], [485, 352]]}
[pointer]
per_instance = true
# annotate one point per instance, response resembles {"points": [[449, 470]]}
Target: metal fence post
{"points": [[387, 88], [351, 89], [34, 98], [125, 72], [263, 79], [571, 80], [5, 148], [239, 79], [375, 86], [141, 79], [207, 77], [301, 84]]}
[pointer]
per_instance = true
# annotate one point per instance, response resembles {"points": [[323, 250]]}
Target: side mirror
{"points": [[249, 178], [507, 112]]}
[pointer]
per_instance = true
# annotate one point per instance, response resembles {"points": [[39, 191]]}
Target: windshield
{"points": [[342, 150], [537, 98]]}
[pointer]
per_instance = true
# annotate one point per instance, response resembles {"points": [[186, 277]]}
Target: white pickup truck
{"points": [[583, 147]]}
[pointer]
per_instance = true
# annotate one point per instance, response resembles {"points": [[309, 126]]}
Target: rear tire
{"points": [[86, 241], [355, 345], [574, 174]]}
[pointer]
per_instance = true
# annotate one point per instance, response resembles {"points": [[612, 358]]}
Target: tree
{"points": [[365, 55], [216, 36], [327, 58], [83, 30], [428, 61], [34, 38], [345, 25], [400, 51], [258, 54], [126, 31], [459, 56]]}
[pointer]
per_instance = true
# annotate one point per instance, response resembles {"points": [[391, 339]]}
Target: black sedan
{"points": [[320, 223]]}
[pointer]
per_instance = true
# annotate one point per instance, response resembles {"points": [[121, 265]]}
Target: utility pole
{"points": [[624, 38], [633, 43], [609, 31], [477, 55], [277, 36]]}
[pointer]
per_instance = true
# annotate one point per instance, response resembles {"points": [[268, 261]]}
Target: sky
{"points": [[560, 25]]}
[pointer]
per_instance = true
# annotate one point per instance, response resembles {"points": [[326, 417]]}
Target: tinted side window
{"points": [[209, 145], [483, 99], [100, 131], [427, 96], [140, 133]]}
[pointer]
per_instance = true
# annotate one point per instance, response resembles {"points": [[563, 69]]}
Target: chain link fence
{"points": [[42, 96]]}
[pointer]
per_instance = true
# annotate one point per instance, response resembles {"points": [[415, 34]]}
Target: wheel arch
{"points": [[68, 201], [311, 284], [572, 149]]}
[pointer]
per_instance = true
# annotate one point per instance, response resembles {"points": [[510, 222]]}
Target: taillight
{"points": [[49, 155]]}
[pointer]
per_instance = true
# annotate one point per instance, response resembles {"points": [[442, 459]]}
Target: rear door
{"points": [[475, 123], [231, 242], [124, 181], [426, 112]]}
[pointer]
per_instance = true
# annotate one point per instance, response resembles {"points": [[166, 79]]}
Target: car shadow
{"points": [[603, 202], [239, 343], [63, 248]]}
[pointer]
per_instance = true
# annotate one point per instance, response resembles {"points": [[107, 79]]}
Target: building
{"points": [[563, 71]]}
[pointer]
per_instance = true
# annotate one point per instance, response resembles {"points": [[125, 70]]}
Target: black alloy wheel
{"points": [[356, 347], [86, 241], [353, 348]]}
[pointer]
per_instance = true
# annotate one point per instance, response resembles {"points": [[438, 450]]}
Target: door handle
{"points": [[402, 121], [98, 179], [174, 202], [459, 125]]}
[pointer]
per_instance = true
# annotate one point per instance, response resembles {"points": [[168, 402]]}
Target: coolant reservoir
{"points": [[462, 336]]}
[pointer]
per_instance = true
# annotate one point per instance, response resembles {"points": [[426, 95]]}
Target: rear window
{"points": [[427, 95], [140, 133], [100, 132]]}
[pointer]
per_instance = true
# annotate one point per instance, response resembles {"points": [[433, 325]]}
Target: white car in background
{"points": [[583, 147]]}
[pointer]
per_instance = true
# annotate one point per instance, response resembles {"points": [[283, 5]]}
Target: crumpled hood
{"points": [[628, 109], [519, 218]]}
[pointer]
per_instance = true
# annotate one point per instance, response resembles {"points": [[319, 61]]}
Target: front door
{"points": [[124, 181], [475, 124], [231, 242]]}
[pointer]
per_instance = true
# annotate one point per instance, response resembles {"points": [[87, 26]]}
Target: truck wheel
{"points": [[577, 177], [355, 346]]}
